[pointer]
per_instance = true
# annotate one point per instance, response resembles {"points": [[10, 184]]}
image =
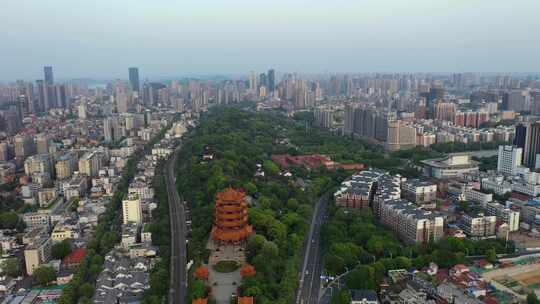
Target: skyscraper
{"points": [[48, 71], [134, 79], [43, 96], [271, 81], [532, 145], [521, 135]]}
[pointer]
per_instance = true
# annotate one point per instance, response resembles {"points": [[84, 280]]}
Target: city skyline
{"points": [[165, 39]]}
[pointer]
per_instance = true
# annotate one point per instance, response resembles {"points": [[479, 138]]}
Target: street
{"points": [[310, 281], [178, 272]]}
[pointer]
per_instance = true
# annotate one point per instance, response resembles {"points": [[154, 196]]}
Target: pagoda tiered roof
{"points": [[230, 217]]}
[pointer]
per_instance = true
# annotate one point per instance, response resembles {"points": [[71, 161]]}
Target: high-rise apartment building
{"points": [[37, 164], [42, 143], [131, 209], [122, 103], [111, 129], [90, 163], [445, 111], [134, 79], [400, 136], [23, 146], [509, 159], [65, 166], [82, 110]]}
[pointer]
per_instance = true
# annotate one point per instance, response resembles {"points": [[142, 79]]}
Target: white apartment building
{"points": [[509, 159], [131, 209], [412, 224], [474, 195]]}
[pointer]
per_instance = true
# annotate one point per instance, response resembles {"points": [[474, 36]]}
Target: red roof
{"points": [[246, 300], [75, 257]]}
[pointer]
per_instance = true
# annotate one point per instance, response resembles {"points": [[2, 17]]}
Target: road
{"points": [[177, 216], [310, 278]]}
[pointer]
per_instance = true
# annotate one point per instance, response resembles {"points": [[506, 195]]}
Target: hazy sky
{"points": [[102, 38]]}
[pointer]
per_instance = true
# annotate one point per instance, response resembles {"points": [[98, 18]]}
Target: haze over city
{"points": [[277, 152], [172, 38]]}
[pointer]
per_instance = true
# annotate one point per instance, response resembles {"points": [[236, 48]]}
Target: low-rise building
{"points": [[364, 296], [62, 232], [37, 220], [474, 195], [497, 184], [454, 165]]}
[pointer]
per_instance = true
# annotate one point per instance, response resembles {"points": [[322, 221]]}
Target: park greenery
{"points": [[11, 267], [44, 275], [280, 210], [226, 266], [487, 163]]}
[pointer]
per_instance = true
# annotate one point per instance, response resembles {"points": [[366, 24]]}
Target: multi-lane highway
{"points": [[310, 282], [178, 280]]}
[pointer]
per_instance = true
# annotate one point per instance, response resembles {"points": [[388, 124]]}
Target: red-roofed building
{"points": [[312, 161], [75, 258], [459, 269], [246, 300]]}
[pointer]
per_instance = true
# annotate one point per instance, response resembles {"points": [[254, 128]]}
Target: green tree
{"points": [[270, 167], [11, 267], [250, 188], [491, 255], [86, 290], [532, 298], [198, 289], [44, 275], [341, 297], [292, 204], [61, 250], [362, 277], [8, 220]]}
